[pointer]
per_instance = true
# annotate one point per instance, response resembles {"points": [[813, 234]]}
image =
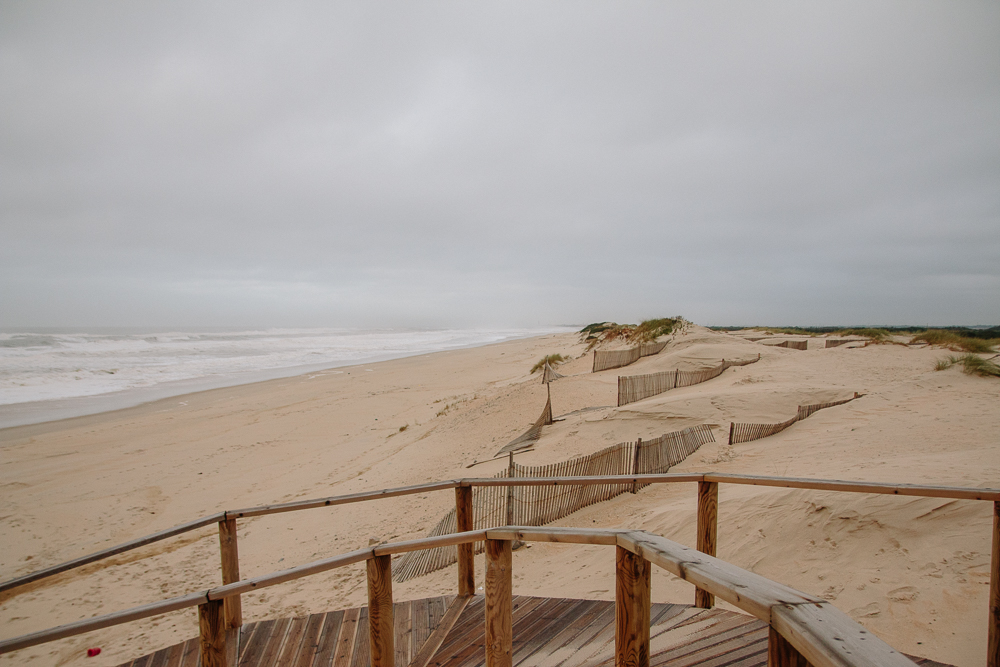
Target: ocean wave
{"points": [[38, 366]]}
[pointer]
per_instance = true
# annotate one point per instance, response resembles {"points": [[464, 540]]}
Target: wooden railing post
{"points": [[230, 570], [635, 464], [632, 599], [380, 621], [466, 561], [993, 642], [782, 654], [708, 521], [212, 634], [499, 589], [510, 490]]}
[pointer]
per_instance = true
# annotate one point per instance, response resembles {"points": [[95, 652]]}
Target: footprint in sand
{"points": [[904, 594]]}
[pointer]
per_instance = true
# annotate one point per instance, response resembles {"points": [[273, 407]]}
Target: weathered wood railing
{"points": [[803, 627]]}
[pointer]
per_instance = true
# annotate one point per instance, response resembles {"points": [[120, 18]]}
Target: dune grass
{"points": [[972, 364], [550, 359], [644, 332], [955, 342]]}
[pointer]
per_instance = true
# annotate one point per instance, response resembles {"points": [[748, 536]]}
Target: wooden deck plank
{"points": [[470, 623], [429, 648], [293, 641], [348, 636], [252, 643], [361, 655], [708, 637], [471, 642], [402, 618], [246, 634], [310, 641], [536, 632], [548, 632], [192, 652], [571, 625], [269, 654], [328, 639], [419, 623], [176, 654]]}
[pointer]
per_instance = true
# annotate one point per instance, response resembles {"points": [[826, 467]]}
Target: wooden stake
{"points": [[212, 634], [510, 492], [782, 654], [732, 426], [499, 638], [708, 520], [635, 464], [380, 622], [229, 551], [466, 562], [993, 642], [632, 597]]}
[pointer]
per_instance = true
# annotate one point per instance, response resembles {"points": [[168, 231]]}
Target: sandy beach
{"points": [[913, 570]]}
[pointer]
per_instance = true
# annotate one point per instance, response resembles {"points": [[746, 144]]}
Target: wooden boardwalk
{"points": [[449, 632]]}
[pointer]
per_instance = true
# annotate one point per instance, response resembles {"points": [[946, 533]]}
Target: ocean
{"points": [[55, 374]]}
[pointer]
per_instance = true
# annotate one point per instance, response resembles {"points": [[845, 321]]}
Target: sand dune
{"points": [[915, 571]]}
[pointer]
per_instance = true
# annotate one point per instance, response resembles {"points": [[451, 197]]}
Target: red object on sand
{"points": [[91, 652]]}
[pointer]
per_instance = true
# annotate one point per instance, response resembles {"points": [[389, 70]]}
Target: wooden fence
{"points": [[605, 359], [534, 432], [749, 432], [632, 388], [538, 505], [549, 374], [791, 344]]}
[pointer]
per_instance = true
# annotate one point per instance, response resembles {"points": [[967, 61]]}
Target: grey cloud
{"points": [[514, 163]]}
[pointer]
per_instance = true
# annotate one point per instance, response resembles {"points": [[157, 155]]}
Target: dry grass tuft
{"points": [[550, 359], [646, 331], [972, 364], [955, 342]]}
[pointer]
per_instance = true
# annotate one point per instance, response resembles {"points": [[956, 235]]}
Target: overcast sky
{"points": [[505, 163]]}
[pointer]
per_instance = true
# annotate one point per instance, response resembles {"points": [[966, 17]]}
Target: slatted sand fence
{"points": [[837, 342], [549, 374], [606, 359], [534, 432], [750, 432], [632, 388], [791, 344], [537, 505]]}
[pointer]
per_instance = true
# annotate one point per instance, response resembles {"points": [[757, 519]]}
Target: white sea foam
{"points": [[52, 366]]}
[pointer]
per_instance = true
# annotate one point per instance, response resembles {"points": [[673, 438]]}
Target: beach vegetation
{"points": [[794, 331], [956, 342], [650, 330], [972, 364], [877, 336], [552, 360], [644, 332]]}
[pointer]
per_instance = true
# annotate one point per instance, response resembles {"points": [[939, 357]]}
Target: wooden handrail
{"points": [[823, 635], [296, 505], [957, 493], [706, 536]]}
